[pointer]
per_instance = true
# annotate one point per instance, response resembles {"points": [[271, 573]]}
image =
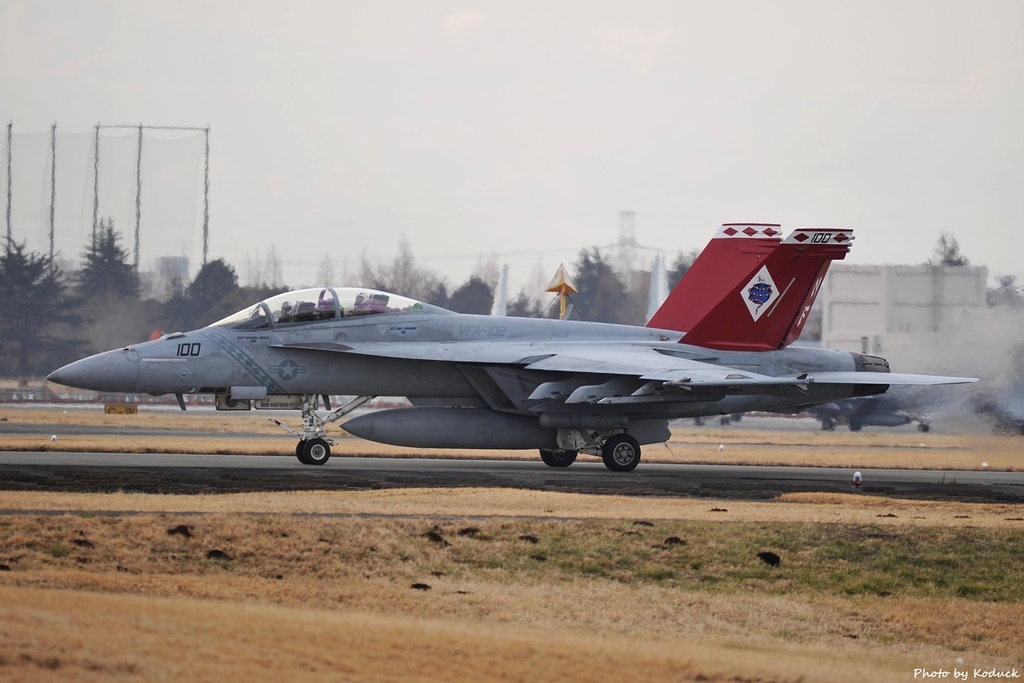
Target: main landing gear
{"points": [[620, 452], [314, 448], [558, 457]]}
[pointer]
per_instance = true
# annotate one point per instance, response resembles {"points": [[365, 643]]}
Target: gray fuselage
{"points": [[439, 360]]}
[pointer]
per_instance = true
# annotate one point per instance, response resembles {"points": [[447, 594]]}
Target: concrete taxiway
{"points": [[186, 473]]}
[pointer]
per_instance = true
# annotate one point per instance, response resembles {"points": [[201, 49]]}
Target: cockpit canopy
{"points": [[320, 304]]}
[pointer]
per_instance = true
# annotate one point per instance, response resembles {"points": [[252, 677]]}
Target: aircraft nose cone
{"points": [[110, 371]]}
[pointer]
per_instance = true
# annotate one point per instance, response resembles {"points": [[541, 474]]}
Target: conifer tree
{"points": [[105, 268], [34, 309]]}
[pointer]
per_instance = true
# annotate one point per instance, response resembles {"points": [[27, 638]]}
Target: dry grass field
{"points": [[478, 584], [507, 585]]}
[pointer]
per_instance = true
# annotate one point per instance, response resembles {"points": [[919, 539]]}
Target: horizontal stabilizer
{"points": [[884, 378]]}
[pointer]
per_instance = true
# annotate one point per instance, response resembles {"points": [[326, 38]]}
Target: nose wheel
{"points": [[313, 451], [313, 448]]}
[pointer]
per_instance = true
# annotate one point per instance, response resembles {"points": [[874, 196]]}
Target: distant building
{"points": [[169, 269], [878, 309]]}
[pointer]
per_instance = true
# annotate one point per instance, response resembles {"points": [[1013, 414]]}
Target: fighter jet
{"points": [[562, 387], [873, 411]]}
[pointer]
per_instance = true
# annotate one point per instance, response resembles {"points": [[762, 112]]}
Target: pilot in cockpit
{"points": [[362, 303], [287, 312]]}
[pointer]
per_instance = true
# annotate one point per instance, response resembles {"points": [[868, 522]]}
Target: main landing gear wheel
{"points": [[558, 458], [314, 451], [621, 453]]}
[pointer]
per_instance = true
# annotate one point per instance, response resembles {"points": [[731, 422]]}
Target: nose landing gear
{"points": [[314, 448], [315, 451]]}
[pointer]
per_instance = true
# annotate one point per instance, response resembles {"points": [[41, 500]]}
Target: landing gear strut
{"points": [[620, 452], [314, 448]]}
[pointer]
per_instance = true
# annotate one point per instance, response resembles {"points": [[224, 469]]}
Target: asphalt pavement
{"points": [[188, 473]]}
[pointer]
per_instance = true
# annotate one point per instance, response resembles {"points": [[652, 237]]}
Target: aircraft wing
{"points": [[456, 352], [643, 363], [616, 358], [609, 358], [602, 358], [648, 364]]}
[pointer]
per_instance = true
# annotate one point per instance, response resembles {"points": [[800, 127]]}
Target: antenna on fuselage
{"points": [[562, 285]]}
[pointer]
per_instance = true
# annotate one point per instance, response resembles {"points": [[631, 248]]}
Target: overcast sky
{"points": [[521, 129]]}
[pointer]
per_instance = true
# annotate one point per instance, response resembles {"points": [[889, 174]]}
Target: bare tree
{"points": [[488, 270], [401, 276], [263, 272], [947, 252], [1008, 293], [325, 273], [274, 268], [680, 265], [602, 295], [254, 276], [525, 307]]}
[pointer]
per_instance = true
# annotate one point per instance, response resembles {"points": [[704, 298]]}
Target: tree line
{"points": [[49, 317]]}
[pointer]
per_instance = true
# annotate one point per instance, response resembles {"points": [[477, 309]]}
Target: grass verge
{"points": [[586, 587]]}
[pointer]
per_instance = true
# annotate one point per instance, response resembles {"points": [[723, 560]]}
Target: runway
{"points": [[185, 473]]}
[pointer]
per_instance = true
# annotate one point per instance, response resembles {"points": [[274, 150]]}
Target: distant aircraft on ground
{"points": [[562, 387], [870, 411]]}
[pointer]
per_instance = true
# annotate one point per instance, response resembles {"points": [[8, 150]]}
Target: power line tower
{"points": [[626, 249], [53, 188], [10, 125], [138, 182]]}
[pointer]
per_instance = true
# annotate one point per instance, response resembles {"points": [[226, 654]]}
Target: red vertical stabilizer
{"points": [[736, 251], [768, 308]]}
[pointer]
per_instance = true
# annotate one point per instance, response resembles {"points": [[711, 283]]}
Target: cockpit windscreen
{"points": [[322, 304]]}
